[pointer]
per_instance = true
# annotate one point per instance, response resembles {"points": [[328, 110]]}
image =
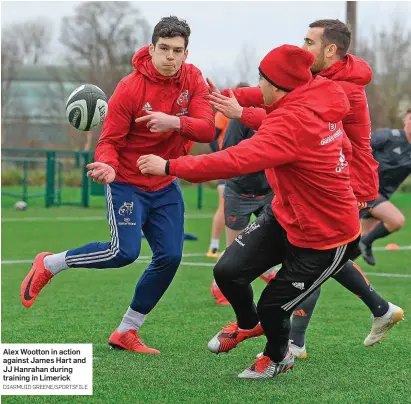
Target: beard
{"points": [[318, 65]]}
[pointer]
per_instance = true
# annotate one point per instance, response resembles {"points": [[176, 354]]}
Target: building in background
{"points": [[33, 106]]}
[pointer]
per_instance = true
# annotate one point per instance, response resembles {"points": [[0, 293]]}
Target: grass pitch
{"points": [[84, 306]]}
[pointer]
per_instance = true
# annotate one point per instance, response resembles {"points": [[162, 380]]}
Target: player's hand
{"points": [[101, 172], [160, 122], [212, 88], [228, 106], [152, 165]]}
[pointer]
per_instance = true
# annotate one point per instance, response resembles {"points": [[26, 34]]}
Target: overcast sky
{"points": [[219, 29]]}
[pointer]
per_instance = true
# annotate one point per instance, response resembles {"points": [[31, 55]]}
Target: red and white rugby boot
{"points": [[130, 341], [265, 368], [230, 336]]}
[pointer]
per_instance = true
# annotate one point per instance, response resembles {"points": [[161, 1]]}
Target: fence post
{"points": [[199, 196], [85, 199], [25, 174], [50, 178], [59, 182]]}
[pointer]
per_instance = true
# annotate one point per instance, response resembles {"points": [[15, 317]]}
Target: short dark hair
{"points": [[335, 32], [408, 111], [242, 84], [171, 27]]}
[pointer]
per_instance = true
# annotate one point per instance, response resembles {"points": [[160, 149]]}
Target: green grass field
{"points": [[84, 306]]}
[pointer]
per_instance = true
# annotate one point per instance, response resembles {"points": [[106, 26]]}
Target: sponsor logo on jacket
{"points": [[331, 138]]}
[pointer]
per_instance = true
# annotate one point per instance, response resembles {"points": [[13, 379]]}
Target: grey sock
{"points": [[301, 318], [56, 262], [379, 231], [132, 320]]}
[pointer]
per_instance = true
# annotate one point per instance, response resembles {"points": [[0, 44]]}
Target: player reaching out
{"points": [[312, 227], [328, 41]]}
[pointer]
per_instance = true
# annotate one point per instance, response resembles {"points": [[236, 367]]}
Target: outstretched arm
{"points": [[272, 145]]}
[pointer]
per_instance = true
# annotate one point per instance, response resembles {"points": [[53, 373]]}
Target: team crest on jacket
{"points": [[182, 99], [332, 126]]}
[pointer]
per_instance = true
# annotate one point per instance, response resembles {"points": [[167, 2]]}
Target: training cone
{"points": [[392, 247]]}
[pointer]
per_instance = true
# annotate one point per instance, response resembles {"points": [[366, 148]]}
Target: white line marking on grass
{"points": [[402, 247], [141, 258], [146, 259], [209, 264], [187, 255], [388, 275], [85, 218]]}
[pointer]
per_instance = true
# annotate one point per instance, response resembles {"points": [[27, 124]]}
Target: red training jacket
{"points": [[352, 74], [123, 141], [299, 144]]}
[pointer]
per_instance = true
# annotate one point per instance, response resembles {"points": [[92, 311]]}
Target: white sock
{"points": [[132, 320], [56, 262], [215, 243]]}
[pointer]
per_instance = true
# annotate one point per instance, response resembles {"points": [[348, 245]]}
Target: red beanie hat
{"points": [[287, 67]]}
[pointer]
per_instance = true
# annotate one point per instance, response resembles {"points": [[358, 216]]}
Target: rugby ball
{"points": [[20, 205], [86, 107]]}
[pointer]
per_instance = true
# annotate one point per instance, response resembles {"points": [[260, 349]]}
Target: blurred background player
{"points": [[221, 123], [217, 226], [392, 149], [244, 196], [162, 107]]}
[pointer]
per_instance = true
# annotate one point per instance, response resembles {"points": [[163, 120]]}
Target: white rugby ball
{"points": [[86, 107], [20, 205]]}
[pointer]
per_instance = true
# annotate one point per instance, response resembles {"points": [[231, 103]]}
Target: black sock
{"points": [[379, 231], [246, 313], [301, 318], [353, 279], [276, 325]]}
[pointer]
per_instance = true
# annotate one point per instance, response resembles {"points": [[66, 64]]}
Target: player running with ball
{"points": [[161, 108]]}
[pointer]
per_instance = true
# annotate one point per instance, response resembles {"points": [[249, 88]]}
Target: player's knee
{"points": [[396, 223], [168, 260], [174, 259], [124, 257], [225, 269]]}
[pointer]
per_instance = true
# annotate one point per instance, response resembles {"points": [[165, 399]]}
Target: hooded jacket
{"points": [[352, 74], [300, 147], [123, 141]]}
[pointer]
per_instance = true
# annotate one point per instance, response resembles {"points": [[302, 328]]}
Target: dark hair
{"points": [[171, 27], [242, 84], [408, 111], [335, 32]]}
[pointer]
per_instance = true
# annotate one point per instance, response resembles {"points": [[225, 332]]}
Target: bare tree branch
{"points": [[247, 63], [103, 36], [389, 54], [100, 40], [21, 43]]}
